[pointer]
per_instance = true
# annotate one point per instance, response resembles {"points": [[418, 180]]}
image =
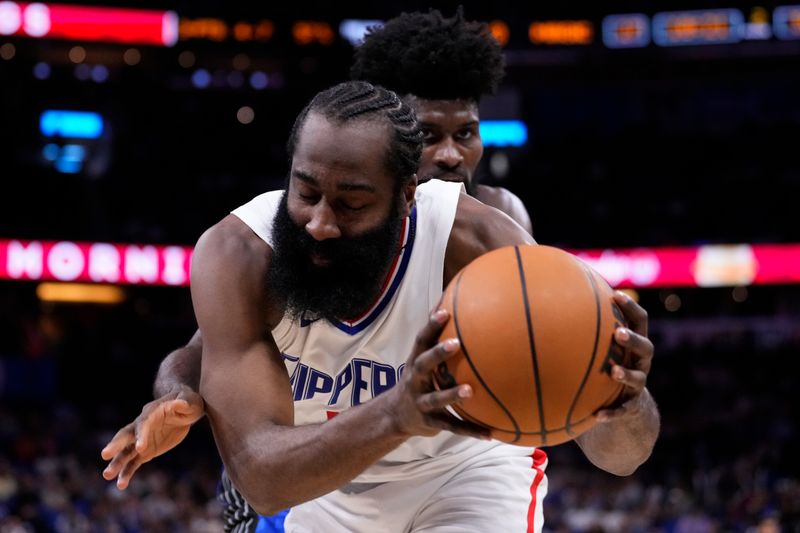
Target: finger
{"points": [[633, 312], [183, 409], [428, 360], [435, 401], [635, 379], [176, 408], [125, 476], [119, 461], [143, 437], [430, 333], [123, 438], [636, 344]]}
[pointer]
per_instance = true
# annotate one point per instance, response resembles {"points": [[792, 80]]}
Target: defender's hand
{"points": [[162, 425], [640, 351]]}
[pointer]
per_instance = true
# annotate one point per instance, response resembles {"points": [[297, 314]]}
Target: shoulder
{"points": [[230, 263], [507, 202], [231, 242], [478, 229]]}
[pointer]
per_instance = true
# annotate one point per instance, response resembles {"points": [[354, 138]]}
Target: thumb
{"points": [[179, 406], [187, 409], [191, 399]]}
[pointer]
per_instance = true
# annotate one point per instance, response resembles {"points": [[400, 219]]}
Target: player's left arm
{"points": [[478, 229], [625, 435]]}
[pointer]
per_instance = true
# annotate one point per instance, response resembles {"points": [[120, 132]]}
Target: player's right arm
{"points": [[249, 402]]}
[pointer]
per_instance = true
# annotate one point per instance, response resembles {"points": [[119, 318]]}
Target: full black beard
{"points": [[348, 285]]}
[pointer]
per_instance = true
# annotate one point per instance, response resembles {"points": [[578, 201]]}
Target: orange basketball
{"points": [[536, 328]]}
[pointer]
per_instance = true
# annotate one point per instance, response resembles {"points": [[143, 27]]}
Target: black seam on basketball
{"points": [[594, 350], [539, 400], [549, 431], [472, 366], [613, 397]]}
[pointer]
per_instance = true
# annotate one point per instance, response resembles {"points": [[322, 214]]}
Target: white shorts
{"points": [[496, 490]]}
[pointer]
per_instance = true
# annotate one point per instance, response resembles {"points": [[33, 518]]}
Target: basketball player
{"points": [[343, 268], [442, 67]]}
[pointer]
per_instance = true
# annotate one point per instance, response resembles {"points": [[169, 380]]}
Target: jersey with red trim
{"points": [[336, 365]]}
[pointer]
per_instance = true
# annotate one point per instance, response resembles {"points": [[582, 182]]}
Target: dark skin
{"points": [[339, 187], [453, 148]]}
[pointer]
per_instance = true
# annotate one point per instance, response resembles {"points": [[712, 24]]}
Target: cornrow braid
{"points": [[360, 100]]}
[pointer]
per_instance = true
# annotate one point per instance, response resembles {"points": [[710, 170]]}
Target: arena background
{"points": [[643, 135]]}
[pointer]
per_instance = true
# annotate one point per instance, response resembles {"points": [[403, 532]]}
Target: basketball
{"points": [[536, 327]]}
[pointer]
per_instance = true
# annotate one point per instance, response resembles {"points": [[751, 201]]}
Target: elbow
{"points": [[264, 501], [260, 492], [268, 508], [267, 502], [622, 471], [625, 467]]}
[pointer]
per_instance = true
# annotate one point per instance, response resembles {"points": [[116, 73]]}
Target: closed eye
{"points": [[309, 198]]}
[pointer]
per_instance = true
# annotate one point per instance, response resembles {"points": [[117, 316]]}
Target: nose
{"points": [[323, 224], [447, 154]]}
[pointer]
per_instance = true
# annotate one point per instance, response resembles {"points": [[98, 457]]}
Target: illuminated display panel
{"points": [[712, 26], [84, 23], [631, 30], [353, 30], [215, 29], [503, 132], [71, 124], [307, 32], [561, 32], [125, 264], [130, 264], [786, 22], [500, 31], [701, 266]]}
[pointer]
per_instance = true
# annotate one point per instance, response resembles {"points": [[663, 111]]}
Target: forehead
{"points": [[434, 112], [357, 147]]}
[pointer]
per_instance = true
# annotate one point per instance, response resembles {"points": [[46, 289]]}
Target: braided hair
{"points": [[360, 100], [432, 57]]}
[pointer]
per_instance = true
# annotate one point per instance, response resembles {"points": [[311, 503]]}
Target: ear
{"points": [[409, 193]]}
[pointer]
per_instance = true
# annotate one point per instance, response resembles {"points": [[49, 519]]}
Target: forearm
{"points": [[620, 446], [180, 368], [278, 467]]}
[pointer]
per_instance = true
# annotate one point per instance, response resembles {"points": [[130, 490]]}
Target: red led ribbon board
{"points": [[84, 23]]}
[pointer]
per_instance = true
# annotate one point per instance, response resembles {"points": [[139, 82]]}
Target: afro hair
{"points": [[432, 57]]}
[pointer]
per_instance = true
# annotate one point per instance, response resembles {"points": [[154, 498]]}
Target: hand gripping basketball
{"points": [[536, 328], [416, 407]]}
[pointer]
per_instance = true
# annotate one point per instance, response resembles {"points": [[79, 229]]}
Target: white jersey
{"points": [[336, 365]]}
